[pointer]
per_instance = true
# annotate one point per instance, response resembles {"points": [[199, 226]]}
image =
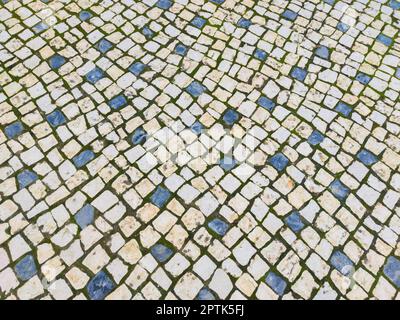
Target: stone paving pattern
{"points": [[96, 203]]}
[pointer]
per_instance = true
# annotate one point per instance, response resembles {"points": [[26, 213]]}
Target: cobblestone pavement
{"points": [[197, 149]]}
